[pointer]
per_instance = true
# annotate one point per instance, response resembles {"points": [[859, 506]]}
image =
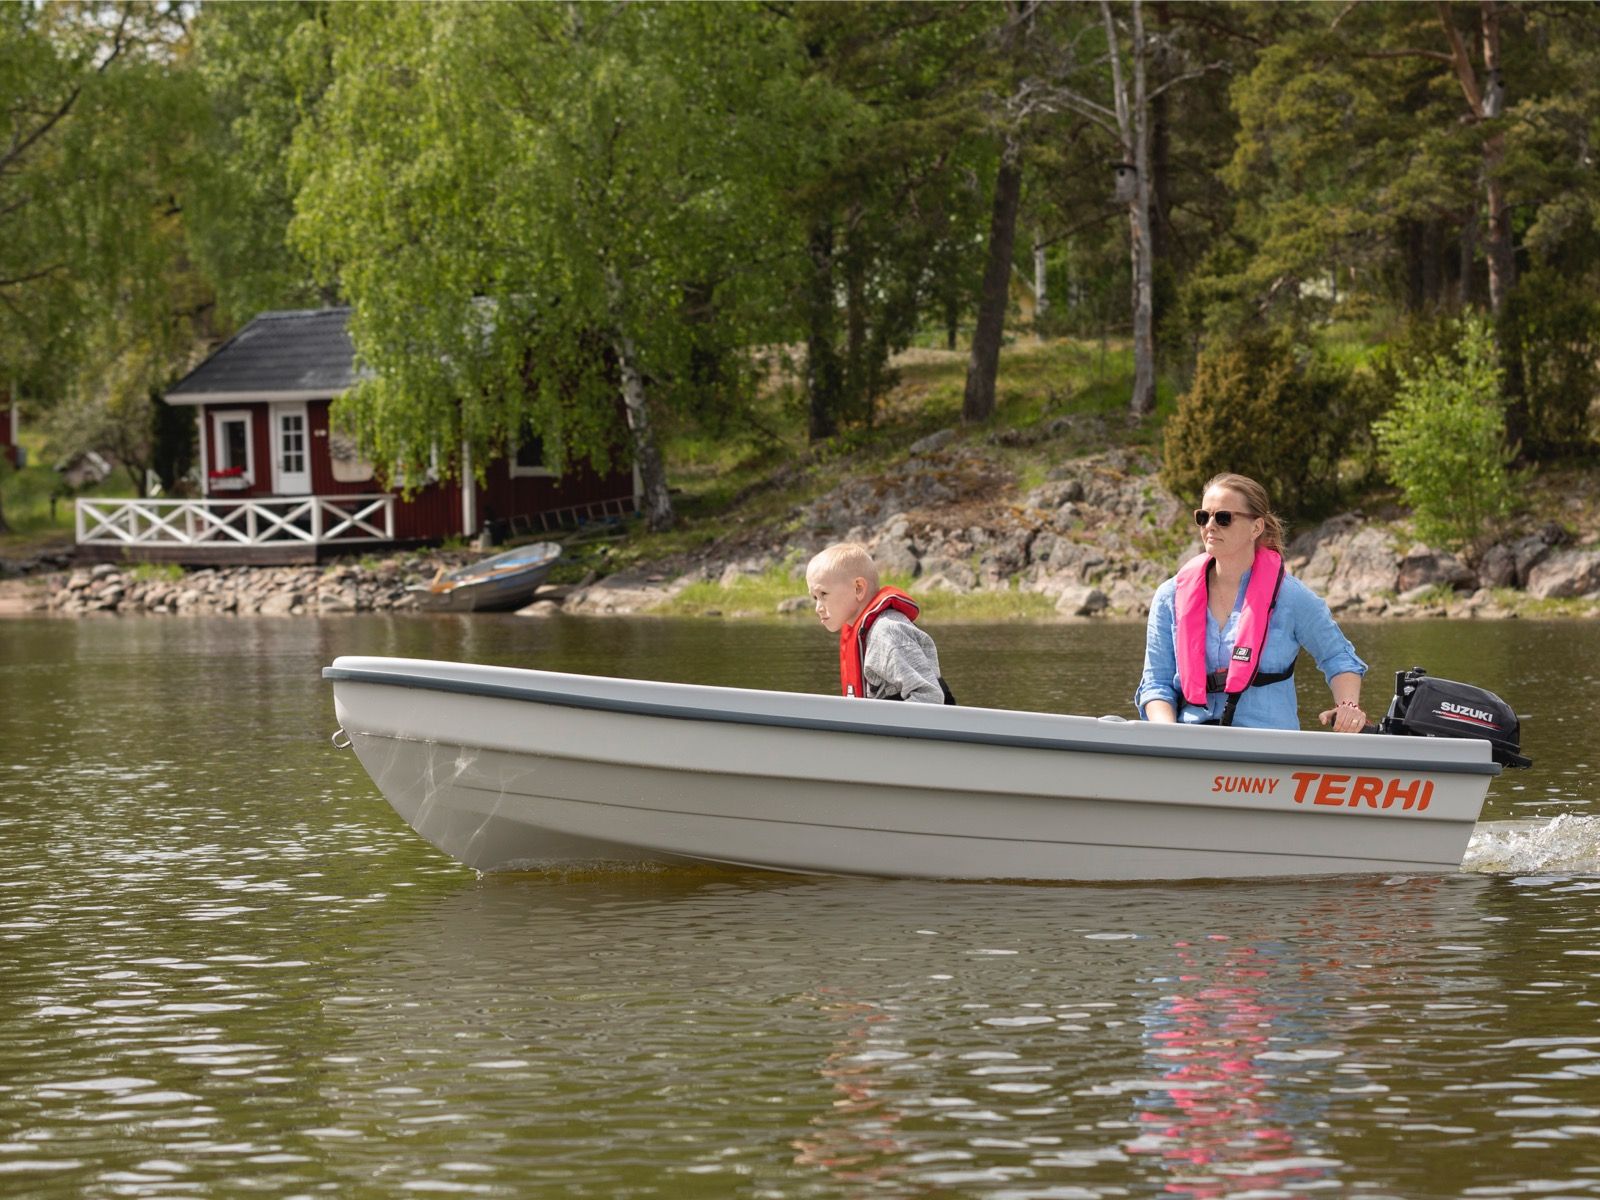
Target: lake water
{"points": [[230, 970]]}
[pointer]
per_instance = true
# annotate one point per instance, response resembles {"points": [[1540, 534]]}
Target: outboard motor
{"points": [[1428, 707]]}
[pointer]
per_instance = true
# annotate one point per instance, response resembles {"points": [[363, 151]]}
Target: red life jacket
{"points": [[1243, 669], [853, 637]]}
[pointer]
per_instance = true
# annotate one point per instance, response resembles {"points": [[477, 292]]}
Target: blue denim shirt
{"points": [[1301, 618]]}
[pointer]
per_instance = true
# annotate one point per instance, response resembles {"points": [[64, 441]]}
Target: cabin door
{"points": [[291, 450]]}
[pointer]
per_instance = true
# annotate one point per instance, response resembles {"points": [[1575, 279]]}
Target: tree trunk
{"points": [[857, 395], [658, 514], [1467, 287], [4, 528], [1041, 284], [984, 362], [1161, 240], [1486, 100], [1143, 399], [1133, 123], [1497, 240], [823, 377], [1501, 253]]}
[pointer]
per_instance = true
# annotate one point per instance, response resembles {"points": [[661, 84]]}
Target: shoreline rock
{"points": [[1096, 537]]}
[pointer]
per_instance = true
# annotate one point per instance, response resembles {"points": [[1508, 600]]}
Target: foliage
{"points": [[1443, 443], [1261, 406], [530, 205], [262, 66], [100, 304], [1550, 344]]}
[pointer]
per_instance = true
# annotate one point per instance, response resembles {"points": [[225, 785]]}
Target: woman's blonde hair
{"points": [[1255, 499]]}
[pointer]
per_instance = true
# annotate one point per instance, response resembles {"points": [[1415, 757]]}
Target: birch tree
{"points": [[517, 198], [1115, 92]]}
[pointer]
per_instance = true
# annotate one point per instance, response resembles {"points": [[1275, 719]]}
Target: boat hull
{"points": [[496, 584], [501, 768]]}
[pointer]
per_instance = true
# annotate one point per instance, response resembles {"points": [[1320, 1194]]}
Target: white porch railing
{"points": [[285, 520]]}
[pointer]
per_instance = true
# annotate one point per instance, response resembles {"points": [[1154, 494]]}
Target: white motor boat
{"points": [[504, 769]]}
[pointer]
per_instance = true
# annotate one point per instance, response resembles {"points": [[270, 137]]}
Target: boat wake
{"points": [[1566, 845]]}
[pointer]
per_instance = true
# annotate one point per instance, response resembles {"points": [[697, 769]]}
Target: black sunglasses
{"points": [[1223, 517]]}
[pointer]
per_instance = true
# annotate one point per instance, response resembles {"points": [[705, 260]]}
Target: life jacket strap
{"points": [[1217, 681]]}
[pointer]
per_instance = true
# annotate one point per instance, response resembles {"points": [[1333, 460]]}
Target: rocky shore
{"points": [[1099, 536], [1095, 537], [348, 586]]}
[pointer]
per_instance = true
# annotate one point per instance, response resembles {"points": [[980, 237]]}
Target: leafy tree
{"points": [[1443, 443], [95, 115], [1263, 406], [1402, 149], [262, 66], [520, 200], [887, 191]]}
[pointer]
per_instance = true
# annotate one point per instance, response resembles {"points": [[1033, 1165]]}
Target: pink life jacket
{"points": [[1190, 603]]}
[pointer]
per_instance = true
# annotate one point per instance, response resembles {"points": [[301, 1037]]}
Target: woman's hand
{"points": [[1347, 716]]}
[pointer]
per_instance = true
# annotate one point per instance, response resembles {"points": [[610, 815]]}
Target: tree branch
{"points": [[20, 145], [1109, 215], [32, 275], [1407, 52], [1463, 64], [1194, 74]]}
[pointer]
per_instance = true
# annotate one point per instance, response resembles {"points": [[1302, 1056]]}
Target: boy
{"points": [[898, 661]]}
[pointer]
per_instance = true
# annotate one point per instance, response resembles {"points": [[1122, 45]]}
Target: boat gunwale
{"points": [[530, 694]]}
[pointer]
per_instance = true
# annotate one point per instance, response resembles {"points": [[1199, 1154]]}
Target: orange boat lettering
{"points": [[1259, 784], [1353, 791]]}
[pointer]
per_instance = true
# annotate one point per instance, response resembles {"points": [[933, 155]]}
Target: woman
{"points": [[1224, 632]]}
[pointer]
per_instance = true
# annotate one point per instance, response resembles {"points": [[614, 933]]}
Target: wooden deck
{"points": [[235, 556], [211, 532]]}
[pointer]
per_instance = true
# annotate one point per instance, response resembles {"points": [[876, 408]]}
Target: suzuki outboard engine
{"points": [[1428, 707]]}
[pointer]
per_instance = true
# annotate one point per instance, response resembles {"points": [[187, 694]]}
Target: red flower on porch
{"points": [[226, 473]]}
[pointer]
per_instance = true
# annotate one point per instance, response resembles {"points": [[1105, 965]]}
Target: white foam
{"points": [[1565, 845]]}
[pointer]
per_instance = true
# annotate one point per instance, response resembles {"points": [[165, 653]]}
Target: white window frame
{"points": [[220, 441]]}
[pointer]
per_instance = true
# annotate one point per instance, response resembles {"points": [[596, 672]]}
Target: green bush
{"points": [[1443, 442], [1264, 407], [1550, 343]]}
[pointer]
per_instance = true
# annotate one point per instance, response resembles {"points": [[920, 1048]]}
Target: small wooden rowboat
{"points": [[492, 584], [504, 768]]}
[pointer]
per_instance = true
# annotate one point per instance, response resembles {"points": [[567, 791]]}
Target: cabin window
{"points": [[529, 458], [292, 443], [235, 465], [345, 456]]}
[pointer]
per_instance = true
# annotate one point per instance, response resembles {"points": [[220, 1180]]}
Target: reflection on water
{"points": [[231, 970], [1213, 1115]]}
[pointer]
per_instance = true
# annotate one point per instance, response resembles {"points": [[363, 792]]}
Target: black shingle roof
{"points": [[303, 353]]}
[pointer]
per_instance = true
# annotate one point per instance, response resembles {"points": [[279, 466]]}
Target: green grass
{"points": [[760, 596], [756, 478], [26, 495], [149, 572]]}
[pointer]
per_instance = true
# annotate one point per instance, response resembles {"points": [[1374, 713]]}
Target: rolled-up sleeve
{"points": [[1157, 682], [1318, 632]]}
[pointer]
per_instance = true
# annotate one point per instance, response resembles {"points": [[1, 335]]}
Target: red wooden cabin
{"points": [[278, 485]]}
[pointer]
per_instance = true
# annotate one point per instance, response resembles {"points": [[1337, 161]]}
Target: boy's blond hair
{"points": [[849, 559]]}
